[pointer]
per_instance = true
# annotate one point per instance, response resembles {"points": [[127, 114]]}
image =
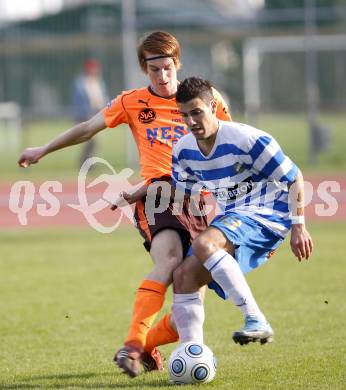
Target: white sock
{"points": [[188, 315], [226, 272]]}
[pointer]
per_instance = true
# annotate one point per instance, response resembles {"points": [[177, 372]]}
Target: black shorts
{"points": [[188, 225]]}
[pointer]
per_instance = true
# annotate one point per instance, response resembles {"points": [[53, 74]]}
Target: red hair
{"points": [[160, 43]]}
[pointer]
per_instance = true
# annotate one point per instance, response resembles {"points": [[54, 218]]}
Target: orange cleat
{"points": [[152, 361]]}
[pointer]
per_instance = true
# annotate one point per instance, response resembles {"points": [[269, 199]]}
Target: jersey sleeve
{"points": [[182, 177], [222, 110], [114, 113], [269, 160]]}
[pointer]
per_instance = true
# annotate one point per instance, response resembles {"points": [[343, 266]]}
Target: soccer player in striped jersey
{"points": [[261, 194], [156, 125]]}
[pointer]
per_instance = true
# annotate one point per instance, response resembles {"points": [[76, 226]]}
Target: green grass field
{"points": [[291, 131], [66, 302]]}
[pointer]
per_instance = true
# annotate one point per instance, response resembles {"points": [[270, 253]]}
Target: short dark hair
{"points": [[194, 87]]}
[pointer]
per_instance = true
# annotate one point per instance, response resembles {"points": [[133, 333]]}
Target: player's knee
{"points": [[167, 256], [163, 269], [203, 247]]}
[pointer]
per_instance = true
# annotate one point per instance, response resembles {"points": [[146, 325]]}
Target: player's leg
{"points": [[252, 245], [165, 330], [162, 333], [167, 253], [216, 253], [188, 309], [168, 241]]}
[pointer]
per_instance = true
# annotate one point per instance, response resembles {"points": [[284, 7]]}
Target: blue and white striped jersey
{"points": [[246, 171]]}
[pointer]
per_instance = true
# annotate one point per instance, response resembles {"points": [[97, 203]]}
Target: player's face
{"points": [[200, 117], [163, 75]]}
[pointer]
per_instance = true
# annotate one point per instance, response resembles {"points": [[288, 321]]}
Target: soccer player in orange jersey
{"points": [[153, 117]]}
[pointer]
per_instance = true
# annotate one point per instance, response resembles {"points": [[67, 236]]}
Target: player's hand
{"points": [[124, 199], [301, 242], [30, 156]]}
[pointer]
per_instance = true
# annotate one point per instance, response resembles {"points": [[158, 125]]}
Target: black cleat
{"points": [[129, 360]]}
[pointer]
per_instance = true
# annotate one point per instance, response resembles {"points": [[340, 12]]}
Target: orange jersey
{"points": [[156, 126]]}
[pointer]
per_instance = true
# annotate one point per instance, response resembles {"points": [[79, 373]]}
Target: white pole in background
{"points": [[311, 77], [251, 64], [129, 46]]}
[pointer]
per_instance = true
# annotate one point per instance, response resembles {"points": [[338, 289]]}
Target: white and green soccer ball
{"points": [[192, 363]]}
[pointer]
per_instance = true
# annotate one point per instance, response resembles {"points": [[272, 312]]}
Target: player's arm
{"points": [[301, 241], [126, 198], [271, 162], [75, 135]]}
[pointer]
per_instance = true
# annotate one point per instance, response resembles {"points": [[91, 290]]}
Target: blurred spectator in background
{"points": [[88, 97]]}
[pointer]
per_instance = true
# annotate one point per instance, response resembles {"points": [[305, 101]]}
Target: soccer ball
{"points": [[192, 363]]}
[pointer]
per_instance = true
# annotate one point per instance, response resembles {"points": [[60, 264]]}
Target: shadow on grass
{"points": [[67, 381]]}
